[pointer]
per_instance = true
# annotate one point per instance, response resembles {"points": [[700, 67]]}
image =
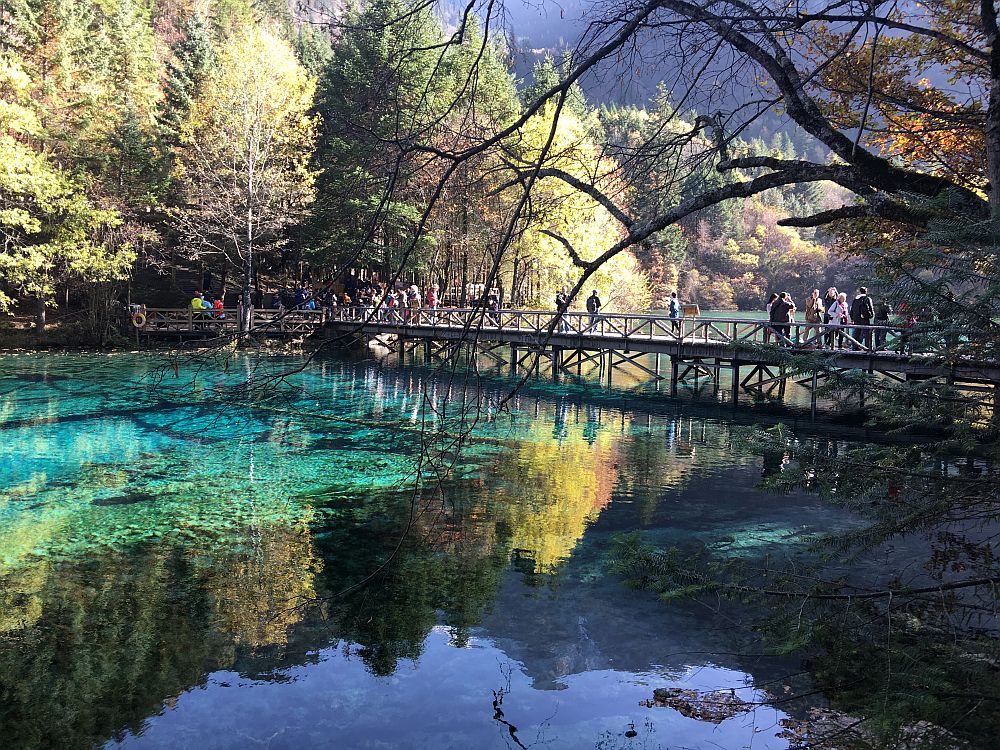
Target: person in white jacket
{"points": [[839, 315]]}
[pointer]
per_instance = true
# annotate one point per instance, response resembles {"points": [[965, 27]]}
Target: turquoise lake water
{"points": [[189, 561]]}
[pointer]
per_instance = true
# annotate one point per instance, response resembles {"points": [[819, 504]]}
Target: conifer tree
{"points": [[125, 155], [544, 75], [382, 85], [194, 59]]}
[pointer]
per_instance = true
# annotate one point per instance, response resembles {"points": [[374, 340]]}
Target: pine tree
{"points": [[383, 85], [544, 76], [126, 158], [313, 48], [194, 59]]}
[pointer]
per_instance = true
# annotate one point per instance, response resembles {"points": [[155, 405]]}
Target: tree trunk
{"points": [[514, 277], [444, 281], [465, 278], [992, 129], [40, 316], [246, 313], [224, 277]]}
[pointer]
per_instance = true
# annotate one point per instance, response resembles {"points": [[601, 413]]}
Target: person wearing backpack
{"points": [[674, 309], [862, 313], [594, 308], [492, 301]]}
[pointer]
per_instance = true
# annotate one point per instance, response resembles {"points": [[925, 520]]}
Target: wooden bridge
{"points": [[753, 351], [699, 349]]}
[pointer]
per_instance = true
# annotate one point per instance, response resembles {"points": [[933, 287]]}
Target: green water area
{"points": [[201, 554]]}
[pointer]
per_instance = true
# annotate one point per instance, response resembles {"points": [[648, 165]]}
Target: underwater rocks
{"points": [[827, 729], [716, 706], [140, 497]]}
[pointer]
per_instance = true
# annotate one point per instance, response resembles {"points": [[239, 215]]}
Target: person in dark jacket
{"points": [[674, 309], [781, 317], [492, 301], [594, 308], [562, 305], [883, 313], [768, 332], [862, 313]]}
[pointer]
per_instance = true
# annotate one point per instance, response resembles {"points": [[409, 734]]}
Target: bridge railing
{"points": [[628, 327], [180, 320]]}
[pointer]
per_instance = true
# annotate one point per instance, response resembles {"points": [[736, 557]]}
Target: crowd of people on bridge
{"points": [[207, 308], [830, 321]]}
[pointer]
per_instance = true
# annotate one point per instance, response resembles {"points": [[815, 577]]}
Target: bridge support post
{"points": [[656, 360], [427, 350], [673, 375], [557, 359], [513, 359]]}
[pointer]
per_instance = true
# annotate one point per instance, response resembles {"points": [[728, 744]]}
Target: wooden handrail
{"points": [[631, 326], [617, 326]]}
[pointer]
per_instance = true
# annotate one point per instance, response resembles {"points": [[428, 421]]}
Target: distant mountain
{"points": [[537, 28]]}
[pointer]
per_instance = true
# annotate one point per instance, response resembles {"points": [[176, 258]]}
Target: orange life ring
{"points": [[139, 319]]}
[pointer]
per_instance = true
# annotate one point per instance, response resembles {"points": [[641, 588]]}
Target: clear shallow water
{"points": [[173, 557]]}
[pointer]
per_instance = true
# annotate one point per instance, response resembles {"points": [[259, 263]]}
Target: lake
{"points": [[228, 553]]}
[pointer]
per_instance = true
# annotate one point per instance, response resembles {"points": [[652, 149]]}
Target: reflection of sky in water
{"points": [[220, 514], [443, 702]]}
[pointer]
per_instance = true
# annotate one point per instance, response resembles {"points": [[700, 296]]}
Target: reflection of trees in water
{"points": [[115, 636], [90, 649], [105, 642], [549, 494], [446, 570], [895, 615], [258, 587]]}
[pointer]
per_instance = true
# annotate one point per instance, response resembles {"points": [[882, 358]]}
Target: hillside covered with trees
{"points": [[234, 142]]}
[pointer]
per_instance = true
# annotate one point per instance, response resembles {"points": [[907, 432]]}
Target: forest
{"points": [[147, 146]]}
